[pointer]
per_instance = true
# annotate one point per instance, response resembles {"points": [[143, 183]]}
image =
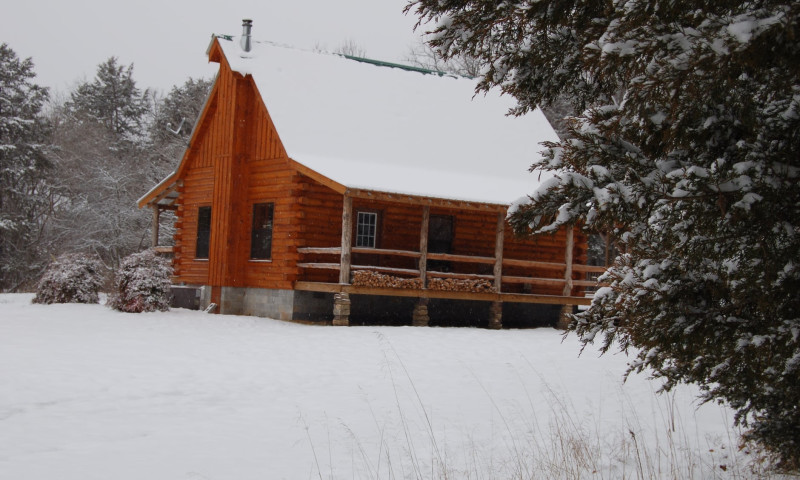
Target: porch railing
{"points": [[562, 274]]}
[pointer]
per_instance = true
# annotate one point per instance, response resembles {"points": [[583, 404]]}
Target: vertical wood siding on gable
{"points": [[204, 170]]}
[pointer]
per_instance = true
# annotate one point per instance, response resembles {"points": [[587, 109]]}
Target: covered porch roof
{"points": [[162, 196]]}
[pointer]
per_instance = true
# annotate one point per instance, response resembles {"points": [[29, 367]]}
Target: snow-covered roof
{"points": [[393, 130]]}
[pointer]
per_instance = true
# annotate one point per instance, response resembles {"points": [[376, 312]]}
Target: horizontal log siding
{"points": [[320, 214], [544, 248], [196, 192], [273, 181]]}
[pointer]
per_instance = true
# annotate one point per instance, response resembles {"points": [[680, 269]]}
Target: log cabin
{"points": [[328, 188]]}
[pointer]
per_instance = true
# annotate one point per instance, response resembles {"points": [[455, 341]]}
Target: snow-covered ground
{"points": [[89, 393]]}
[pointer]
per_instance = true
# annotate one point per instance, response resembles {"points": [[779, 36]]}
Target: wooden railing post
{"points": [[420, 317], [568, 261], [347, 240], [423, 246]]}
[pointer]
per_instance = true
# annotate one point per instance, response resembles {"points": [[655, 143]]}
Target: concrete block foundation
{"points": [[318, 307]]}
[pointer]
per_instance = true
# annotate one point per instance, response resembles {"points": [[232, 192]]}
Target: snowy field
{"points": [[89, 393]]}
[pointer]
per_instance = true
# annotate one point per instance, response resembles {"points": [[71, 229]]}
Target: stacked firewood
{"points": [[369, 278], [460, 285]]}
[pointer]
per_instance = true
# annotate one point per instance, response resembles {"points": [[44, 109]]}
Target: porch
{"points": [[468, 278]]}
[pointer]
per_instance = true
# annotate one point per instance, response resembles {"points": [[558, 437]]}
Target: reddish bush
{"points": [[71, 278], [142, 284]]}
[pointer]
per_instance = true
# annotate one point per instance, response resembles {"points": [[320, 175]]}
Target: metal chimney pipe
{"points": [[245, 41]]}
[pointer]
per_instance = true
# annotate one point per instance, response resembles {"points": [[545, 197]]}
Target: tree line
{"points": [[73, 165]]}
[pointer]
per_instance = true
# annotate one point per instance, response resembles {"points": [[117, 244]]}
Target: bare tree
{"points": [[350, 48], [422, 55]]}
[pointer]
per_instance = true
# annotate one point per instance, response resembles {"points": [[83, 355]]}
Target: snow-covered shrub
{"points": [[142, 283], [71, 278]]}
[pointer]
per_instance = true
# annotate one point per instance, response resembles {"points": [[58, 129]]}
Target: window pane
{"points": [[203, 232], [261, 237]]}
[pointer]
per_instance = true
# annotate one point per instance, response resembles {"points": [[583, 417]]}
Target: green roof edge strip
{"points": [[381, 63]]}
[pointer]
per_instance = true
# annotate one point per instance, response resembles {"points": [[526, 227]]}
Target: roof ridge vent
{"points": [[246, 41]]}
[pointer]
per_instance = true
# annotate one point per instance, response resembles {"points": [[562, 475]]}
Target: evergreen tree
{"points": [[685, 145], [24, 193], [112, 100]]}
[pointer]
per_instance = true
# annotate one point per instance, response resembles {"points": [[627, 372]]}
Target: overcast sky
{"points": [[166, 40]]}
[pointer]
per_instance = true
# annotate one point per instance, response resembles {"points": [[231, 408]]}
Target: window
{"points": [[366, 229], [261, 237], [203, 232]]}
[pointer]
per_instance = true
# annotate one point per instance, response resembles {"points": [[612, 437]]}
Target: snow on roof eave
{"points": [[415, 198], [398, 195], [164, 184]]}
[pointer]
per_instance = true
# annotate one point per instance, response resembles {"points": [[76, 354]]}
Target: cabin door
{"points": [[440, 240]]}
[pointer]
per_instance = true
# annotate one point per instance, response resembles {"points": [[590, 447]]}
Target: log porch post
{"points": [[498, 251], [156, 225], [420, 317], [496, 310], [568, 261], [423, 246], [347, 240], [566, 310], [341, 301]]}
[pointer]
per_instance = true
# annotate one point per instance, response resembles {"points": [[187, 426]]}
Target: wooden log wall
{"points": [[195, 192], [320, 219]]}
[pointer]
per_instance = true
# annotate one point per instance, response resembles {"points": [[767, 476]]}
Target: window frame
{"points": [[269, 231], [202, 246], [375, 234]]}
